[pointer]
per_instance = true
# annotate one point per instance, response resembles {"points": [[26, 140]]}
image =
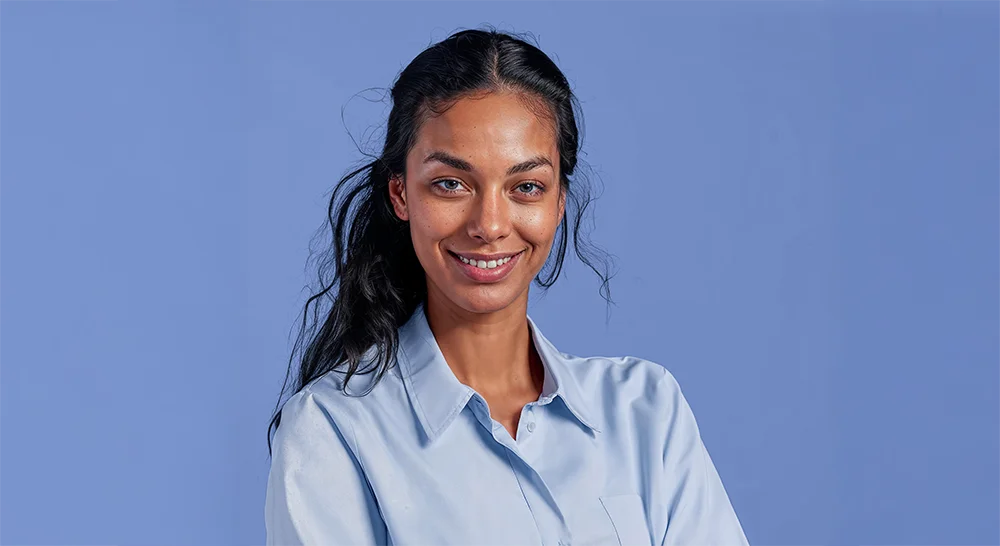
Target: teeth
{"points": [[484, 264]]}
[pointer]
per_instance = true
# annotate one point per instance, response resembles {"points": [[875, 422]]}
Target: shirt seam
{"points": [[520, 487], [361, 463]]}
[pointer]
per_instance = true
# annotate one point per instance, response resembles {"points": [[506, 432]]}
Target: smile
{"points": [[485, 264], [492, 270]]}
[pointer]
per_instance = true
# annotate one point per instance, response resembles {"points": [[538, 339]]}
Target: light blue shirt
{"points": [[609, 454]]}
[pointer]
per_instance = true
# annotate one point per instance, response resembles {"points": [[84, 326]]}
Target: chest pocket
{"points": [[629, 518]]}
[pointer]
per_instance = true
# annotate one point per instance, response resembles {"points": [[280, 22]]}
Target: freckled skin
{"points": [[489, 211]]}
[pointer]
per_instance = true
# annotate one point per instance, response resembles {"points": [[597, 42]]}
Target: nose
{"points": [[490, 218]]}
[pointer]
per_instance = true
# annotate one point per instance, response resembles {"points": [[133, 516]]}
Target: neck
{"points": [[492, 353]]}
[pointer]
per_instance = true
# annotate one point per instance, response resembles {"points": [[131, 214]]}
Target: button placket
{"points": [[528, 419]]}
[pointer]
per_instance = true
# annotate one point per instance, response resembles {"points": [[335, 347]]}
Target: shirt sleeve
{"points": [[317, 493], [699, 513]]}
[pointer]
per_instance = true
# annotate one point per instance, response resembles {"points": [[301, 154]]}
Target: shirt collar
{"points": [[438, 396]]}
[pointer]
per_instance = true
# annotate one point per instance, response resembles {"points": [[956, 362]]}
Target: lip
{"points": [[485, 257], [496, 274]]}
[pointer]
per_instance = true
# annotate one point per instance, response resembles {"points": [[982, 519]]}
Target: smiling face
{"points": [[482, 183]]}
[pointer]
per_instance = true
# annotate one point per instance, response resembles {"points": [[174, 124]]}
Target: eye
{"points": [[449, 185], [532, 188]]}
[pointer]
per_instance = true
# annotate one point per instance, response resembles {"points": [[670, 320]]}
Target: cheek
{"points": [[538, 227], [433, 221]]}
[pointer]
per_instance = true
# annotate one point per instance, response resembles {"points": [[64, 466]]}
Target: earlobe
{"points": [[397, 194]]}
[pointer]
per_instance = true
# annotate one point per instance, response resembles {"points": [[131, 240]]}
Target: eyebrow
{"points": [[462, 165]]}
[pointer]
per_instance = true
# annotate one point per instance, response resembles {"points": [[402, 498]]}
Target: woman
{"points": [[475, 429]]}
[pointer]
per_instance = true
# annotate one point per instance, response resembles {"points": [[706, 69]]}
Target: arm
{"points": [[317, 493], [699, 510]]}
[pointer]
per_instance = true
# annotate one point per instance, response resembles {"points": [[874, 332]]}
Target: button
{"points": [[531, 427]]}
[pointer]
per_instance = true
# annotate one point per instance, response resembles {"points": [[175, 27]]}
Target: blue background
{"points": [[802, 197]]}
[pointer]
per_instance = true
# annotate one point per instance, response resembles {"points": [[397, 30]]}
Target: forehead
{"points": [[493, 129]]}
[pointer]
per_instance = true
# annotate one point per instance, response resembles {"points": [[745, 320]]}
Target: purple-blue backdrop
{"points": [[802, 196]]}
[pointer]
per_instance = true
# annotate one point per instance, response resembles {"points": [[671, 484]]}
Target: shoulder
{"points": [[311, 413], [325, 402], [328, 391], [629, 373], [643, 385]]}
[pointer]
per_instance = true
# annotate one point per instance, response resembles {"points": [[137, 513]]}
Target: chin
{"points": [[485, 300]]}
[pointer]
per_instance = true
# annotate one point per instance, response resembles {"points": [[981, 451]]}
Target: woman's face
{"points": [[482, 182]]}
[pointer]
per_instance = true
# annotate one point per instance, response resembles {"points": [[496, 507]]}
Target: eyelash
{"points": [[538, 191]]}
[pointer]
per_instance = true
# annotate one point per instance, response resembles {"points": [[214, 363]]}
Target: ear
{"points": [[397, 194]]}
